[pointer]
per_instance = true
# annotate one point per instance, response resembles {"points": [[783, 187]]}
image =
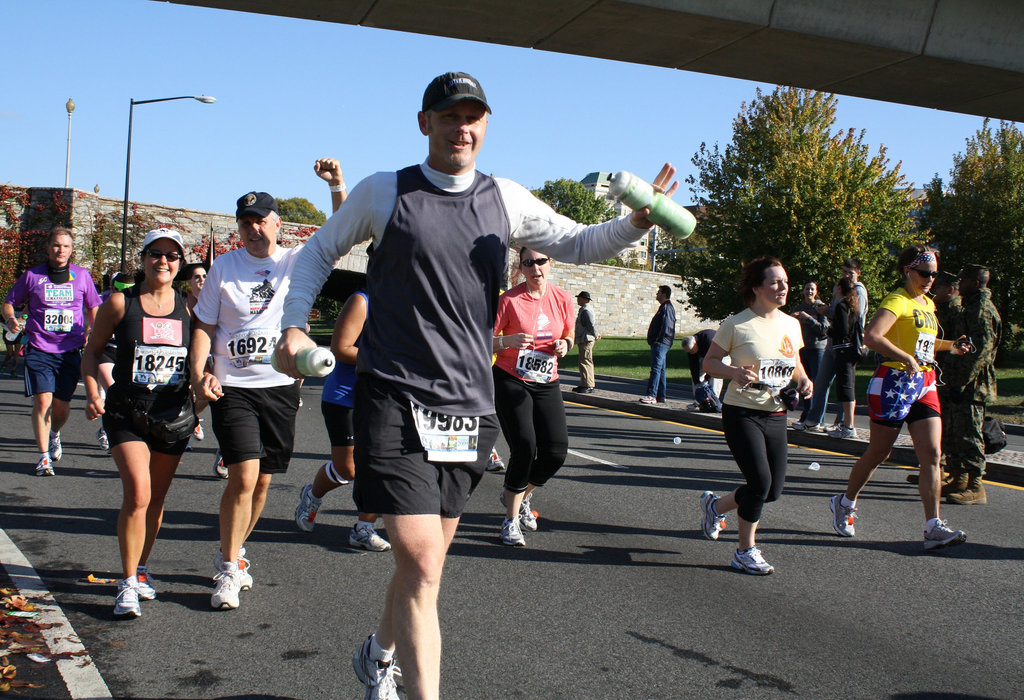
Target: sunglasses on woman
{"points": [[926, 273], [169, 254], [535, 261]]}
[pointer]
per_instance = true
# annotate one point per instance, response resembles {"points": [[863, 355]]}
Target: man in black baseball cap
{"points": [[441, 232]]}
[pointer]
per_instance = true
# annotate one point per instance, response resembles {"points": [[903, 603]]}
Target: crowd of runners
{"points": [[444, 360]]}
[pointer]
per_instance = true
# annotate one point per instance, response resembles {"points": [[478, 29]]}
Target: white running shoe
{"points": [[127, 601], [305, 512], [366, 537], [511, 534], [494, 463], [940, 535], [527, 520], [198, 433], [378, 677], [750, 561], [144, 584], [225, 595], [244, 576], [56, 451], [44, 467], [842, 517], [102, 440], [218, 466], [814, 427], [711, 523]]}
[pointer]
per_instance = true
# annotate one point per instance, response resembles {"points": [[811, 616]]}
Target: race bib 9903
{"points": [[446, 438]]}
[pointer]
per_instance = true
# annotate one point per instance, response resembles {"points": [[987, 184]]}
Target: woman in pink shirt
{"points": [[535, 327]]}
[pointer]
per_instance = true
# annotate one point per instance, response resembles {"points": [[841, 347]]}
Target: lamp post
{"points": [[205, 99], [70, 107]]}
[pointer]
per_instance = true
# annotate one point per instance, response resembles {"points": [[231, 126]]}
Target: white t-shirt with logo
{"points": [[243, 297]]}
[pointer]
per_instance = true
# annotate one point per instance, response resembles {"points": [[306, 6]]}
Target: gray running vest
{"points": [[434, 280]]}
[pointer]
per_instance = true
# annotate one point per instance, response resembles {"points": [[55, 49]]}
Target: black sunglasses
{"points": [[925, 273], [535, 261], [170, 255]]}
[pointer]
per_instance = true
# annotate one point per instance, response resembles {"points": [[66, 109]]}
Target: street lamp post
{"points": [[70, 107], [205, 99]]}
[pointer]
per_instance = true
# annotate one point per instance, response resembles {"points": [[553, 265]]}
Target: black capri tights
{"points": [[532, 417], [757, 440]]}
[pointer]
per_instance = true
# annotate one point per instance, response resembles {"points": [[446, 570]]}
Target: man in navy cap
{"points": [[238, 321], [424, 403]]}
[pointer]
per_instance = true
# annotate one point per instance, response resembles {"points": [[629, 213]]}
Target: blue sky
{"points": [[289, 91]]}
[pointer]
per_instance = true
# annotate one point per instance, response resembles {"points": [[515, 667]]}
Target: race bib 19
{"points": [[252, 347], [924, 348], [446, 438], [536, 366]]}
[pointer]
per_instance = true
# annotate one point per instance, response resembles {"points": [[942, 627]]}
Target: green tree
{"points": [[300, 210], [789, 186], [570, 198], [979, 217]]}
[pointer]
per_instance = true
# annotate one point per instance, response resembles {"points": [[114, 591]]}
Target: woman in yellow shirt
{"points": [[904, 332]]}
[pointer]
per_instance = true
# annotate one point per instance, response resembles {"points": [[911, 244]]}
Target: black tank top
{"points": [[152, 351]]}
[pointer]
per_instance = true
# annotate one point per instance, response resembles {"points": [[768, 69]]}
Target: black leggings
{"points": [[532, 418], [757, 440]]}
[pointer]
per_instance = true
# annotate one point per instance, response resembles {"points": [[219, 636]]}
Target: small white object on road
{"points": [[814, 466], [677, 440]]}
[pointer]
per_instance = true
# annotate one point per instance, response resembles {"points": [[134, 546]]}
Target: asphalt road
{"points": [[617, 596]]}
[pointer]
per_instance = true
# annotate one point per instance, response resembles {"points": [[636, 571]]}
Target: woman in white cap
{"points": [[148, 413]]}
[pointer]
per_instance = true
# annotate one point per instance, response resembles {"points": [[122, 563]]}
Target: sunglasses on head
{"points": [[926, 273], [535, 261], [171, 255]]}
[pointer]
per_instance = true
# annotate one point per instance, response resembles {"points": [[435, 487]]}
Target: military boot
{"points": [[972, 495], [957, 482]]}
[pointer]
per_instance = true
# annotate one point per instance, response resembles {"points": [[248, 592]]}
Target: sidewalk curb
{"points": [[1000, 468]]}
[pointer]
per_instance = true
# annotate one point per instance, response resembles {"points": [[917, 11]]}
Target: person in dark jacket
{"points": [[660, 336], [845, 333]]}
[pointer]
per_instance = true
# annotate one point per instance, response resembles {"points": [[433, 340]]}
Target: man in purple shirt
{"points": [[62, 303]]}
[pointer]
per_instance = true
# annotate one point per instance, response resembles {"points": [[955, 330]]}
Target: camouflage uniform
{"points": [[971, 382]]}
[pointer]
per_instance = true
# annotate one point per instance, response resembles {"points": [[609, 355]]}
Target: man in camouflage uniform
{"points": [[971, 381]]}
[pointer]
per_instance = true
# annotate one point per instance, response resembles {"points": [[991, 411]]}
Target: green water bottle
{"points": [[636, 194], [311, 362]]}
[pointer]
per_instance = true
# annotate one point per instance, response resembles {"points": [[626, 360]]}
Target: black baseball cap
{"points": [[449, 88], [255, 204]]}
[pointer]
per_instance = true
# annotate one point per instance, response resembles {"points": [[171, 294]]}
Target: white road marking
{"points": [[80, 674], [592, 458]]}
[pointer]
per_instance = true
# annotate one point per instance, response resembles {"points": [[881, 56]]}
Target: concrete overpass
{"points": [[956, 55]]}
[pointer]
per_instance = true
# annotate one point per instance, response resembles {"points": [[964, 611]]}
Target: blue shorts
{"points": [[52, 373]]}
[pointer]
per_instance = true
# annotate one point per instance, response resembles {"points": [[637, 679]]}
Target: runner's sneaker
{"points": [[101, 439], [799, 425], [814, 427], [750, 561], [56, 451], [366, 537], [144, 584], [527, 519], [245, 578], [44, 467], [225, 595], [940, 535], [711, 523], [511, 534], [127, 602], [842, 517], [305, 512], [377, 676], [494, 464], [198, 433], [648, 399], [218, 466]]}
